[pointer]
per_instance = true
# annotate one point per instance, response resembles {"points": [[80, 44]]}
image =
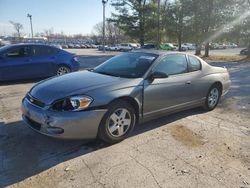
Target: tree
{"points": [[207, 19], [113, 33], [18, 27], [178, 15], [48, 33], [131, 17], [243, 21]]}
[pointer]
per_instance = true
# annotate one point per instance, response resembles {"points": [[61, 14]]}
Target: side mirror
{"points": [[155, 75]]}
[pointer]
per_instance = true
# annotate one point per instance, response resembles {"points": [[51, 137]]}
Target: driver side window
{"points": [[172, 64]]}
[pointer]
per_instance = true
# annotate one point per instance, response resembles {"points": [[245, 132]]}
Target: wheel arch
{"points": [[132, 101], [63, 65], [219, 84]]}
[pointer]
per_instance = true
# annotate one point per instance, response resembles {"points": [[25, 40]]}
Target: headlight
{"points": [[74, 103]]}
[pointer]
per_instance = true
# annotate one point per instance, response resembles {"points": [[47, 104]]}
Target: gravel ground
{"points": [[188, 149]]}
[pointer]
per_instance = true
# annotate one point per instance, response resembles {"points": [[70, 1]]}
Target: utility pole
{"points": [[103, 29], [30, 17], [158, 25]]}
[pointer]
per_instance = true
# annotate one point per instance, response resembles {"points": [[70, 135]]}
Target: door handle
{"points": [[188, 82]]}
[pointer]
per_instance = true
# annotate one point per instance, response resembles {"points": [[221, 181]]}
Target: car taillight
{"points": [[75, 59]]}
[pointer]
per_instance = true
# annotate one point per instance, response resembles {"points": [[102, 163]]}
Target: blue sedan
{"points": [[26, 61]]}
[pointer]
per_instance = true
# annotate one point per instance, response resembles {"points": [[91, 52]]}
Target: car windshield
{"points": [[127, 65]]}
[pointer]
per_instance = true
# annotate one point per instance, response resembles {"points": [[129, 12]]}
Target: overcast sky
{"points": [[68, 16]]}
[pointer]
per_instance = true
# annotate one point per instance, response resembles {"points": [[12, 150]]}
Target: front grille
{"points": [[33, 124], [35, 101]]}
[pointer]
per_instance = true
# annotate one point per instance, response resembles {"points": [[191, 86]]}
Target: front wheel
{"points": [[213, 97], [61, 70], [117, 123]]}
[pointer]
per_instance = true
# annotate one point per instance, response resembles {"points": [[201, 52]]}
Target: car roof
{"points": [[158, 52]]}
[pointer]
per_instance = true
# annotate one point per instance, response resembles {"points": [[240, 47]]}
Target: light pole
{"points": [[30, 17], [103, 29]]}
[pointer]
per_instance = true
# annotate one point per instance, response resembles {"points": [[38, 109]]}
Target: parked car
{"points": [[24, 61], [57, 46], [77, 46], [65, 46], [189, 46], [88, 45], [71, 45], [126, 47], [244, 51], [149, 46], [184, 47], [217, 46], [232, 45], [93, 46], [83, 46], [113, 48], [108, 101], [167, 46]]}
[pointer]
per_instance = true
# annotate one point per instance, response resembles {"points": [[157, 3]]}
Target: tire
{"points": [[117, 123], [61, 70], [213, 97]]}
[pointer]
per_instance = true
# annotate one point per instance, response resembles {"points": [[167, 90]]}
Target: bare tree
{"points": [[113, 33], [18, 27], [48, 33]]}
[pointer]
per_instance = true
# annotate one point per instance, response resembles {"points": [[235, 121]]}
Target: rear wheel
{"points": [[61, 70], [117, 123], [213, 97]]}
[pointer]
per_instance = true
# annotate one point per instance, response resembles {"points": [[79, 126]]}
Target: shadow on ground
{"points": [[25, 153]]}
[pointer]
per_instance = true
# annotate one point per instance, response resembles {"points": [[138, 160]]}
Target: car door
{"points": [[173, 92], [15, 63], [43, 60]]}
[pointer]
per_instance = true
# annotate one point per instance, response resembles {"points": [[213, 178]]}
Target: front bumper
{"points": [[65, 125]]}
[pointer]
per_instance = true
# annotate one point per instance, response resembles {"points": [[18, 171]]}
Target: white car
{"points": [[184, 47], [189, 46], [114, 48], [126, 47], [232, 45]]}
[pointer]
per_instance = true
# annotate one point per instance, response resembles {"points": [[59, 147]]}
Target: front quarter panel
{"points": [[104, 96]]}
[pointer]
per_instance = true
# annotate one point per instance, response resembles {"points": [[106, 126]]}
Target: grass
{"points": [[234, 58]]}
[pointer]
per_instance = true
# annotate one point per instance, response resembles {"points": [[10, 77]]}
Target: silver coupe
{"points": [[109, 100]]}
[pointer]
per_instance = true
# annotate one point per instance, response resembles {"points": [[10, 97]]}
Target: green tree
{"points": [[177, 16], [131, 17], [242, 12]]}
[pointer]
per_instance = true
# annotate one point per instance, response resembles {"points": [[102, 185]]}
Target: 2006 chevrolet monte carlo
{"points": [[109, 100]]}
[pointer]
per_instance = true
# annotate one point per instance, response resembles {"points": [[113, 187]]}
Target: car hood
{"points": [[81, 82]]}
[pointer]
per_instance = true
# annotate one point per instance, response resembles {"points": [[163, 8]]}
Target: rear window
{"points": [[44, 50], [194, 64]]}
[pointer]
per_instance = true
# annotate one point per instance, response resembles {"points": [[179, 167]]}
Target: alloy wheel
{"points": [[119, 122], [213, 97], [62, 71]]}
